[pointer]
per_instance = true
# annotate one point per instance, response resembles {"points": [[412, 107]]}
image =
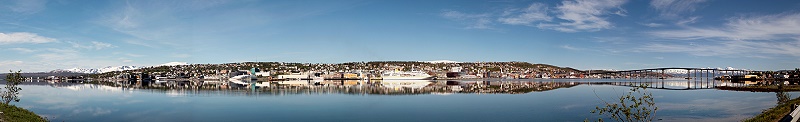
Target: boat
{"points": [[414, 84], [409, 75]]}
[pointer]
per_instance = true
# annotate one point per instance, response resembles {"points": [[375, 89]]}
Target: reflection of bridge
{"points": [[690, 72]]}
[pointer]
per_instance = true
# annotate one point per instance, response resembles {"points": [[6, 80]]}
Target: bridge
{"points": [[690, 72]]}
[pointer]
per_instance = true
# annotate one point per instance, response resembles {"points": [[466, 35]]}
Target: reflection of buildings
{"points": [[389, 87]]}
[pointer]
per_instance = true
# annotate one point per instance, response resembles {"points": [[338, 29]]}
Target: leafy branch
{"points": [[637, 105]]}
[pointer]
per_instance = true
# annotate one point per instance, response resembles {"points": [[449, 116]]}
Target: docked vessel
{"points": [[414, 84], [411, 75]]}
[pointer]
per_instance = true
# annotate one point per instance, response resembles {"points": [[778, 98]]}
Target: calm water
{"points": [[373, 102]]}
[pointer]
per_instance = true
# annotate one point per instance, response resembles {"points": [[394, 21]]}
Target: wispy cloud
{"points": [[734, 48], [573, 16], [767, 27], [611, 40], [584, 15], [55, 54], [686, 21], [156, 22], [134, 55], [94, 45], [473, 21], [5, 63], [23, 37], [571, 48], [141, 43], [534, 12], [674, 8], [653, 24], [22, 50], [25, 6]]}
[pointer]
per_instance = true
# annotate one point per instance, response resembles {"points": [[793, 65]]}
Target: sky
{"points": [[43, 35]]}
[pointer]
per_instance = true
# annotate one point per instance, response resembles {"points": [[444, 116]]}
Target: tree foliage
{"points": [[12, 91], [636, 105]]}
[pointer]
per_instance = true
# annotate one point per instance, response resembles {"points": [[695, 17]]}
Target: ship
{"points": [[414, 84], [410, 75]]}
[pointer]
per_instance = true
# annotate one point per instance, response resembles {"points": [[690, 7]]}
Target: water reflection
{"points": [[394, 87], [337, 100]]}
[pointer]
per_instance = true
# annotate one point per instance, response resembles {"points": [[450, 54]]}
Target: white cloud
{"points": [[768, 27], [534, 12], [23, 37], [6, 63], [611, 40], [141, 43], [584, 15], [653, 24], [673, 8], [101, 45], [570, 48], [22, 50], [134, 55], [686, 21], [573, 16], [95, 45], [127, 61], [734, 48], [474, 21]]}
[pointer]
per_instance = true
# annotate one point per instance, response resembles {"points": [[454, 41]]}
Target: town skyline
{"points": [[41, 35]]}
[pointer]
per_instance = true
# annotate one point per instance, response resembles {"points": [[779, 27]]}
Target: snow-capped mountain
{"points": [[442, 61], [112, 68], [173, 64], [100, 70]]}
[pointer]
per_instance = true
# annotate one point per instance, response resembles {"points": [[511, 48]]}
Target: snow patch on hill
{"points": [[443, 61], [98, 70], [111, 68], [173, 64]]}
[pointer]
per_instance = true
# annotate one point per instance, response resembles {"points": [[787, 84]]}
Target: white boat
{"points": [[412, 75], [414, 84]]}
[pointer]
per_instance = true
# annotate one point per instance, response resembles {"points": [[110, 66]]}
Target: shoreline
{"points": [[12, 113]]}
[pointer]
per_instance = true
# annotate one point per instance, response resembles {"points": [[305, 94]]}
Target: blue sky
{"points": [[41, 35]]}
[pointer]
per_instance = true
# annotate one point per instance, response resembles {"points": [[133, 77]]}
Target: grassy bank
{"points": [[776, 113], [13, 113]]}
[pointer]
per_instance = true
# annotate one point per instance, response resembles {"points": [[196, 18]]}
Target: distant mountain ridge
{"points": [[110, 68], [96, 71]]}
